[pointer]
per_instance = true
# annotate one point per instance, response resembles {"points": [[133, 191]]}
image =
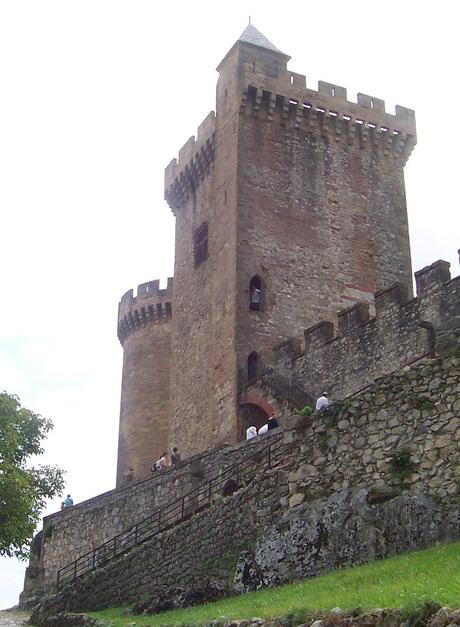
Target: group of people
{"points": [[322, 404], [162, 462], [251, 432]]}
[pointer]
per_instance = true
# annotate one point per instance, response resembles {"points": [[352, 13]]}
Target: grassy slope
{"points": [[401, 581]]}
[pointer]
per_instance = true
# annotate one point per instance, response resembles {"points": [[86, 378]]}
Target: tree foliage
{"points": [[23, 487]]}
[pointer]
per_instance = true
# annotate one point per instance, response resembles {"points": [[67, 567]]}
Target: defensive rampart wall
{"points": [[400, 436], [365, 347], [70, 533]]}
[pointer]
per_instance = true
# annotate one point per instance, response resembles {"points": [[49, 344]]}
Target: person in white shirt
{"points": [[251, 432], [263, 429], [323, 402]]}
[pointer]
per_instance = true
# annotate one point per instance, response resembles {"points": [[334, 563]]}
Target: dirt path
{"points": [[13, 619]]}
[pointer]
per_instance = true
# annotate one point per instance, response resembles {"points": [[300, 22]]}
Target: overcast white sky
{"points": [[96, 97]]}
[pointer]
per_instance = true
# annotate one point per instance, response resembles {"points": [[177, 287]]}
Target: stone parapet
{"points": [[366, 347], [327, 111], [151, 304], [195, 158]]}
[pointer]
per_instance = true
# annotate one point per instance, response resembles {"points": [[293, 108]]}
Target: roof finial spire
{"points": [[249, 19]]}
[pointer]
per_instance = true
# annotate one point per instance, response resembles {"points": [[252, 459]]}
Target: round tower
{"points": [[144, 330]]}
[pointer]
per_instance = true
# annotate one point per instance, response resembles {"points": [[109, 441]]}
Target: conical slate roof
{"points": [[252, 36]]}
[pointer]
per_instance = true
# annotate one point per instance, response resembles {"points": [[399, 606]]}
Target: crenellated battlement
{"points": [[364, 347], [195, 158], [327, 111], [150, 305]]}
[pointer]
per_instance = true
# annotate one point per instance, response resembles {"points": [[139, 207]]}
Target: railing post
{"points": [[182, 508], [135, 534], [75, 570], [159, 519], [114, 547], [94, 560], [209, 493]]}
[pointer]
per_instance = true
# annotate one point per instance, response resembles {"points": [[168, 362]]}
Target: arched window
{"points": [[255, 293], [253, 363]]}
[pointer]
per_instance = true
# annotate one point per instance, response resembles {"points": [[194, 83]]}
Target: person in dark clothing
{"points": [[273, 422], [175, 456]]}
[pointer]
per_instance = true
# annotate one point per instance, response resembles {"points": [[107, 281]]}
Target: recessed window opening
{"points": [[292, 101], [358, 121], [225, 93], [225, 196], [255, 293], [306, 105], [384, 128], [334, 114], [194, 197], [320, 109], [347, 117], [253, 66], [200, 244], [395, 132], [371, 125], [159, 310], [253, 363]]}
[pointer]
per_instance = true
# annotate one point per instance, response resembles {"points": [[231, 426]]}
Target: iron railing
{"points": [[174, 513], [280, 385]]}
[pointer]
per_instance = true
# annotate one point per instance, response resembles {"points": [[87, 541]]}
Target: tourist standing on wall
{"points": [[175, 456], [323, 402], [68, 501], [128, 477], [251, 432], [273, 422], [161, 463]]}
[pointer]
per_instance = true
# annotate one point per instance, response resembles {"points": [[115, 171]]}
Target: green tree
{"points": [[23, 488]]}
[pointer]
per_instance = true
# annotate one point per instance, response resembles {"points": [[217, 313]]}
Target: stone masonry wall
{"points": [[75, 531], [144, 330], [366, 348], [174, 557], [312, 211], [412, 415]]}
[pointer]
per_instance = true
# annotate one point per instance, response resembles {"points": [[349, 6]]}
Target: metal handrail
{"points": [[294, 393], [170, 515]]}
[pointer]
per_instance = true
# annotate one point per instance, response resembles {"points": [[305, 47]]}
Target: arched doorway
{"points": [[253, 411]]}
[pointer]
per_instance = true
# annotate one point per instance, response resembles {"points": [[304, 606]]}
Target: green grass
{"points": [[404, 581]]}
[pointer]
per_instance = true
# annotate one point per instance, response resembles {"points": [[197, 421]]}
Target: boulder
{"points": [[349, 527]]}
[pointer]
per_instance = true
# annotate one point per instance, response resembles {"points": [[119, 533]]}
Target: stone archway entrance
{"points": [[253, 411]]}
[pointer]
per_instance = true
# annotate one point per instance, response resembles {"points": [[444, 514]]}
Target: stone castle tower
{"points": [[289, 205]]}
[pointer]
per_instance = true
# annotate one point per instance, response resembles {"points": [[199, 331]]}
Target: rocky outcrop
{"points": [[349, 527], [202, 589]]}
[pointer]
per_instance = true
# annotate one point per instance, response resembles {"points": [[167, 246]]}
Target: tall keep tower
{"points": [[294, 193]]}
